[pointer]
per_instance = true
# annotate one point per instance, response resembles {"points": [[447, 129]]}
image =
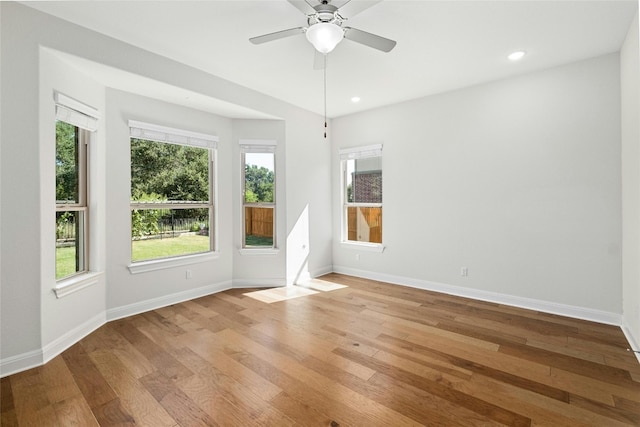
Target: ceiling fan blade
{"points": [[277, 35], [368, 39], [302, 6], [350, 8], [320, 60]]}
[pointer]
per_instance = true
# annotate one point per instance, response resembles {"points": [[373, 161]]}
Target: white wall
{"points": [[630, 89], [20, 193], [309, 209], [1, 331], [78, 311], [34, 323], [259, 269], [128, 293], [518, 180]]}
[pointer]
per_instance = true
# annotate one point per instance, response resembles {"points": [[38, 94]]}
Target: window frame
{"points": [[167, 135], [346, 155], [248, 146], [85, 120], [82, 236]]}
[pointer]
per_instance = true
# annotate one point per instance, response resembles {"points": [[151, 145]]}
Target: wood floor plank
{"points": [[134, 397], [210, 348], [159, 358], [472, 403], [112, 413], [74, 411], [7, 395], [92, 384], [410, 327], [227, 400], [180, 406], [421, 406], [299, 412], [582, 367], [59, 380], [32, 406], [8, 415], [342, 406], [487, 371], [590, 387], [352, 352], [108, 339], [542, 410], [351, 408]]}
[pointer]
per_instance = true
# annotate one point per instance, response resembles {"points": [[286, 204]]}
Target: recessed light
{"points": [[355, 99], [515, 56]]}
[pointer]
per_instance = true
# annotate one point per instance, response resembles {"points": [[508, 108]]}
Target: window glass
{"points": [[71, 200], [67, 163], [259, 199], [363, 199], [171, 200]]}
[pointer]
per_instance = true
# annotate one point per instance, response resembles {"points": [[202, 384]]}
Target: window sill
{"points": [[76, 283], [161, 264], [259, 251], [361, 246]]}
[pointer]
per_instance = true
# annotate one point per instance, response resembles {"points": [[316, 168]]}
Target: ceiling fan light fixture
{"points": [[325, 36]]}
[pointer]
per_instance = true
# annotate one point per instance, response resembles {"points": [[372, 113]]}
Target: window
{"points": [[258, 193], [71, 200], [74, 124], [362, 194], [171, 192]]}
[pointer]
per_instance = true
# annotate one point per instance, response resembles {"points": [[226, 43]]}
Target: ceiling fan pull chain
{"points": [[325, 96]]}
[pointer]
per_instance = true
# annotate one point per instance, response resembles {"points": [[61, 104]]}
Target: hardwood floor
{"points": [[367, 354]]}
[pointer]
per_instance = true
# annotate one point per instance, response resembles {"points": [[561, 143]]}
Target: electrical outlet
{"points": [[464, 271], [188, 274], [357, 257]]}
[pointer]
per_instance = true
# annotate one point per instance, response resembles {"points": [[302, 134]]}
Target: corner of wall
{"points": [[630, 158]]}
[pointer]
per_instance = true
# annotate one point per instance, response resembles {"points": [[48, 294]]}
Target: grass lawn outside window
{"points": [[185, 244]]}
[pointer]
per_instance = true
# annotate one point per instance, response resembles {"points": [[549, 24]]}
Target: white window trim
{"points": [[269, 145], [75, 112], [361, 152], [75, 283], [363, 246], [259, 251], [169, 135], [164, 263]]}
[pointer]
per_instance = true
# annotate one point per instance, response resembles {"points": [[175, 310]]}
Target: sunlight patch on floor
{"points": [[309, 287], [321, 285]]}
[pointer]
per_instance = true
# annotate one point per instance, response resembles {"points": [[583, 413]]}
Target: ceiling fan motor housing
{"points": [[325, 13]]}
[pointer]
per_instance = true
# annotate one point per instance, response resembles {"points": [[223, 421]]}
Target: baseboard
{"points": [[515, 301], [321, 271], [21, 362], [259, 283], [634, 342], [62, 343], [165, 300], [32, 359], [35, 358]]}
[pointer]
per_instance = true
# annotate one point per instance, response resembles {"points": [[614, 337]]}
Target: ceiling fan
{"points": [[324, 26]]}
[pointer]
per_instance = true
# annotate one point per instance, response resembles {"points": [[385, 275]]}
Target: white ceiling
{"points": [[442, 45]]}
